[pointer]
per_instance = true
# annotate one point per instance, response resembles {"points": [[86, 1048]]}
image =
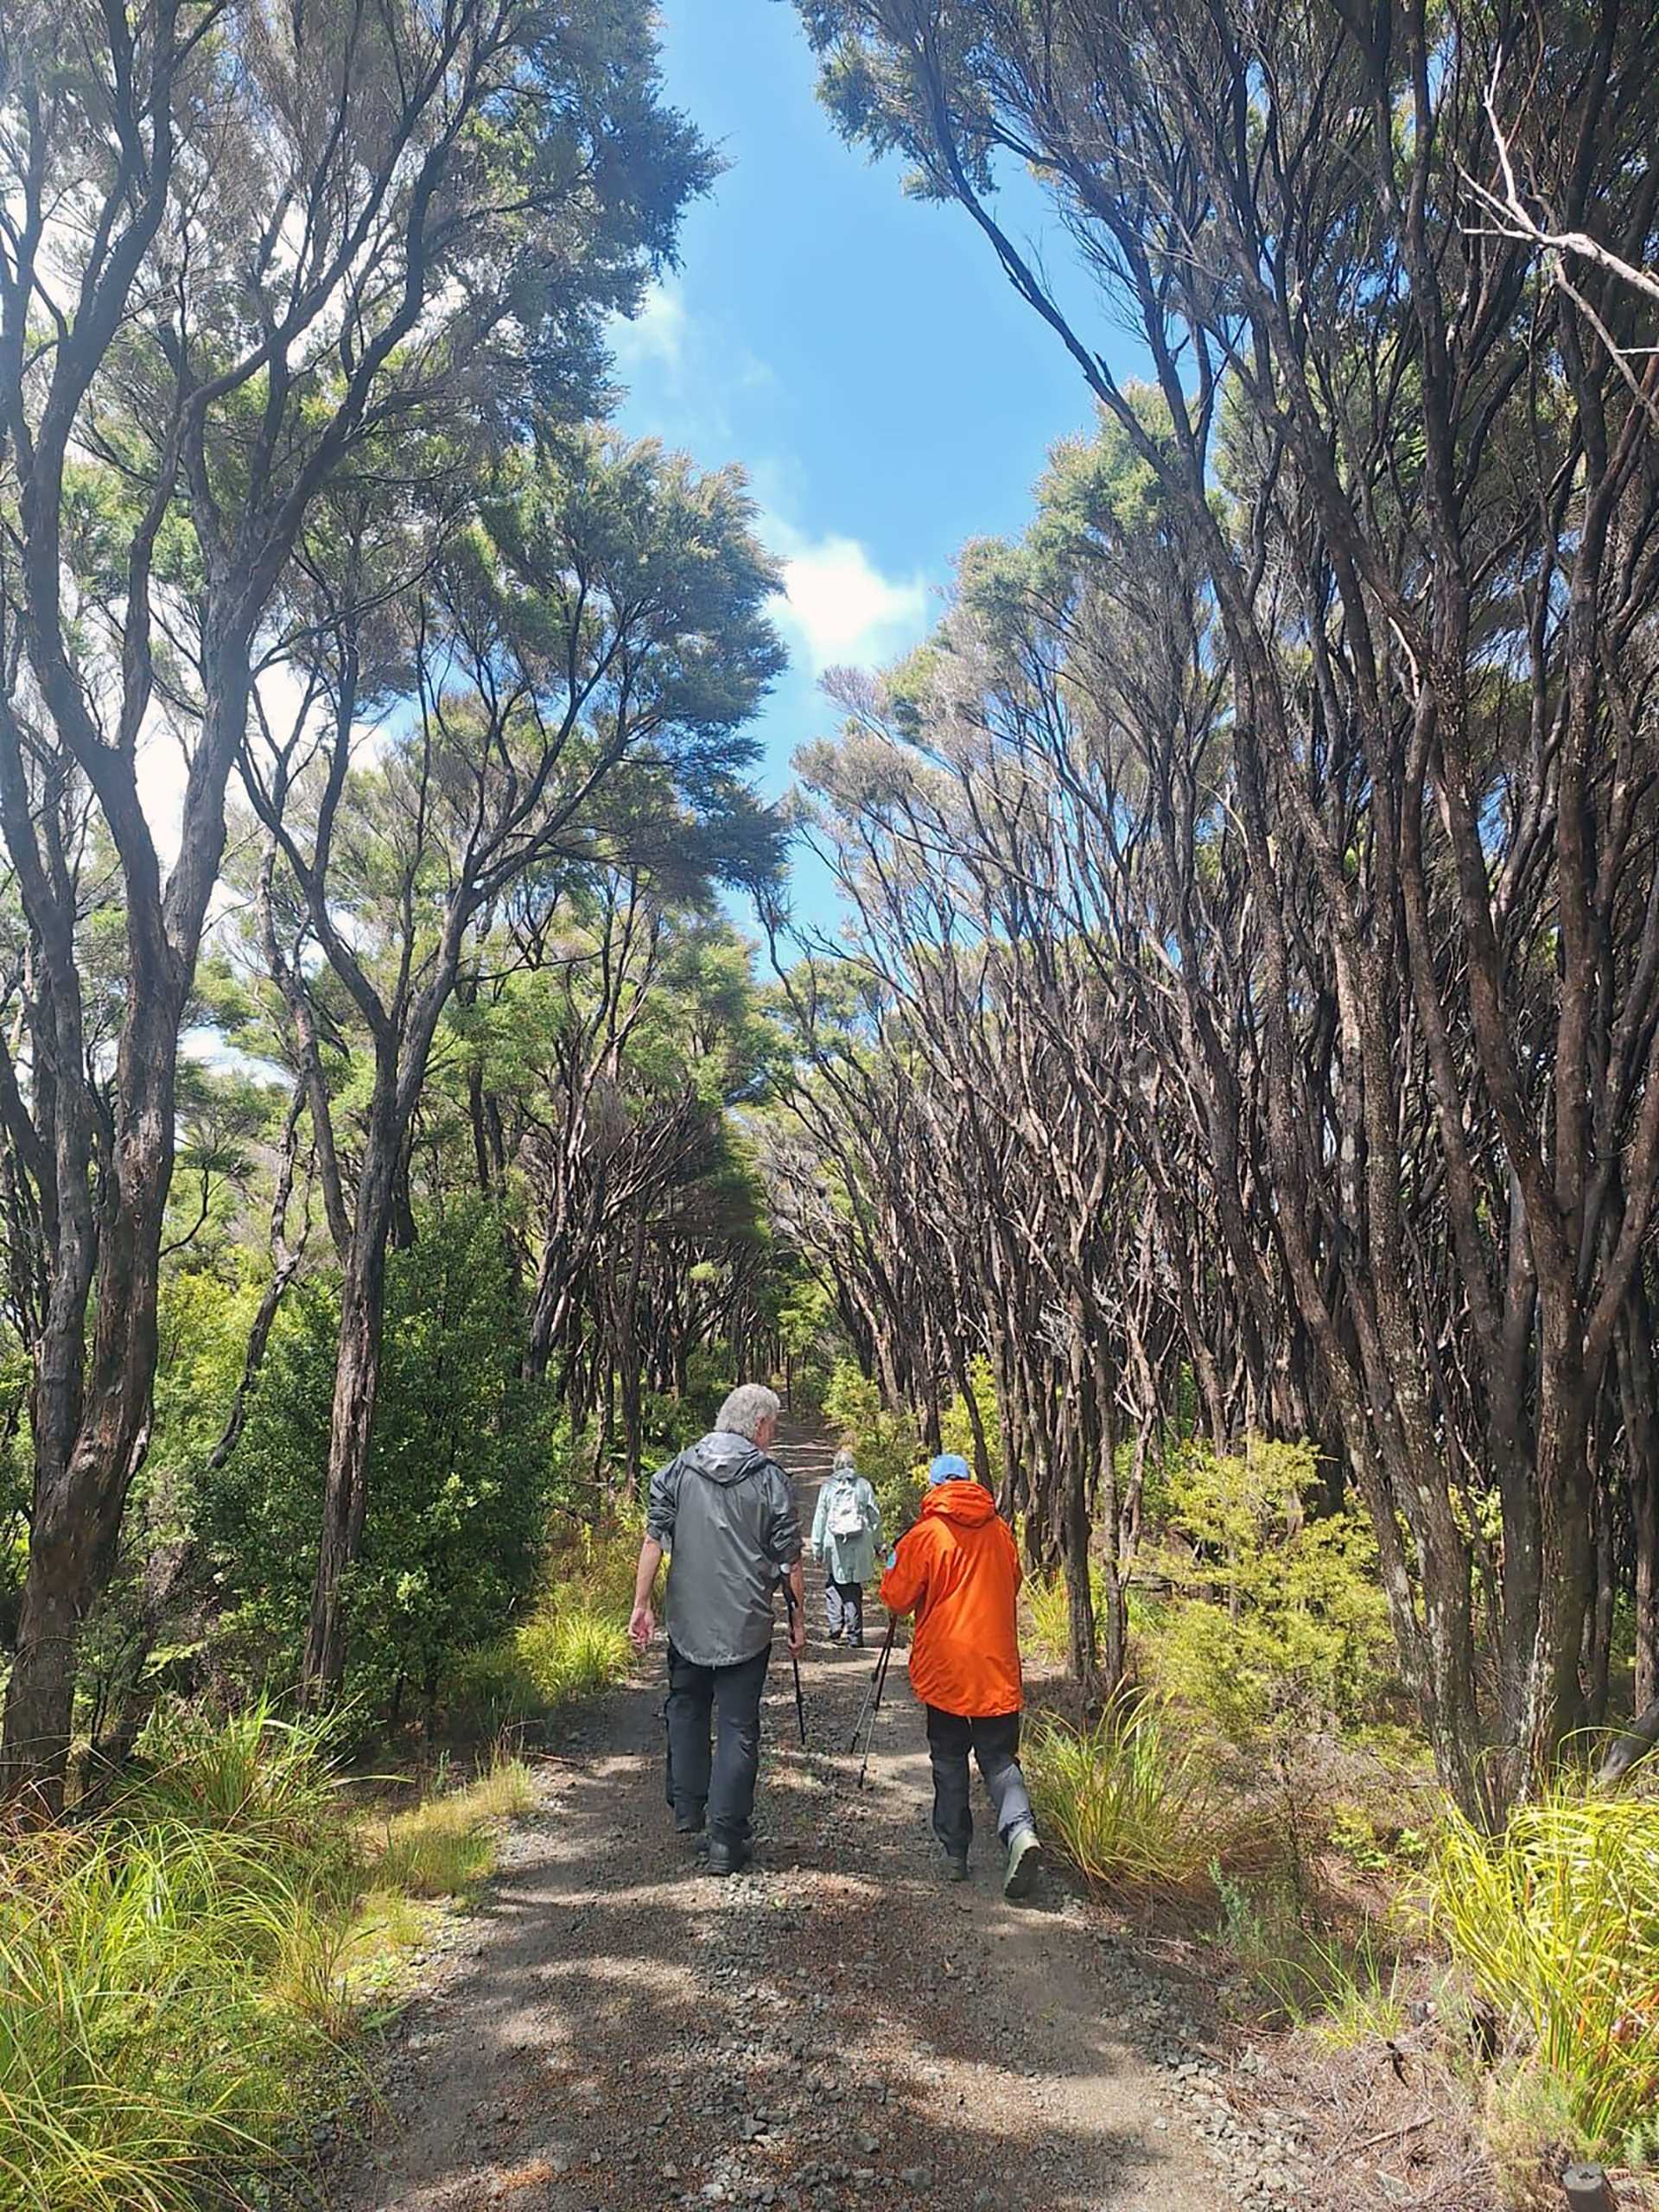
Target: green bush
{"points": [[1274, 1616], [460, 1476]]}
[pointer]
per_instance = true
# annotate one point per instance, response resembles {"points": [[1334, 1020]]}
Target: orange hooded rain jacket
{"points": [[958, 1570]]}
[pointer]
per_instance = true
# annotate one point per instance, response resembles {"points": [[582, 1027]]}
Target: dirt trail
{"points": [[833, 2029]]}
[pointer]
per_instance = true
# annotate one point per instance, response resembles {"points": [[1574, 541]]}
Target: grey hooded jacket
{"points": [[725, 1513]]}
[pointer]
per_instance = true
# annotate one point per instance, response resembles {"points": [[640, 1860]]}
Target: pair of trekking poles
{"points": [[872, 1705]]}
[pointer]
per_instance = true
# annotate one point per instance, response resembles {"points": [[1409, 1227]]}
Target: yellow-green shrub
{"points": [[1273, 1611], [886, 1446]]}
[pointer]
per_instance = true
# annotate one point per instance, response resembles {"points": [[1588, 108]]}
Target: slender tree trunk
{"points": [[357, 1382]]}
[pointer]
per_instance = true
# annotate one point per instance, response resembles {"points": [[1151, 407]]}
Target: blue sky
{"points": [[859, 353]]}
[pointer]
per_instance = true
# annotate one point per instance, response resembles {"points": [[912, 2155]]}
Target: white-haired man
{"points": [[724, 1512]]}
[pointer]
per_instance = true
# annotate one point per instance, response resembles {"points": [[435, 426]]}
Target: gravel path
{"points": [[619, 2032]]}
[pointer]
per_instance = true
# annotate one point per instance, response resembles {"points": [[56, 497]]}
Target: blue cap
{"points": [[949, 1467]]}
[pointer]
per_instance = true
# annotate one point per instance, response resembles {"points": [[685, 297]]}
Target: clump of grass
{"points": [[174, 1978], [152, 2027], [1048, 1612], [1555, 1925], [446, 1847], [572, 1651], [1341, 1984], [1128, 1803], [574, 1643]]}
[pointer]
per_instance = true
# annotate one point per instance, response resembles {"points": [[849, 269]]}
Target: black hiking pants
{"points": [[723, 1785], [995, 1743]]}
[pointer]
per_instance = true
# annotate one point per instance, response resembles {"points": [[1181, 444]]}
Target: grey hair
{"points": [[845, 1458], [746, 1408]]}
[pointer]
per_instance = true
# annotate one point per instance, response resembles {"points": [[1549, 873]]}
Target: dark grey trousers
{"points": [[995, 1743], [844, 1608], [724, 1783]]}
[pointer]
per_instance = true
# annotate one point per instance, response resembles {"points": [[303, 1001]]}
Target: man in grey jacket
{"points": [[726, 1515]]}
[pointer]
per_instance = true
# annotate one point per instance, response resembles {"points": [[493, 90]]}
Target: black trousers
{"points": [[995, 1743], [724, 1782]]}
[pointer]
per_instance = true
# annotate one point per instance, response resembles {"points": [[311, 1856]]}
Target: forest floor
{"points": [[616, 2032]]}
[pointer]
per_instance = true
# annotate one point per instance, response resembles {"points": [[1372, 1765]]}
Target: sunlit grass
{"points": [[573, 1644], [1130, 1803], [174, 1978], [1555, 1925], [445, 1847]]}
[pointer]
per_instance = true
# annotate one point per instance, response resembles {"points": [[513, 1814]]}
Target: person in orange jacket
{"points": [[958, 1570]]}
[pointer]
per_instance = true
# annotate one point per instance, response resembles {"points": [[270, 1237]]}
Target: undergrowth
{"points": [[1131, 1804], [174, 1977], [572, 1643], [1554, 1923]]}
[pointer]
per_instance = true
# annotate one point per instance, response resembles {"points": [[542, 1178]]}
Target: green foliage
{"points": [[1347, 1987], [572, 1644], [1554, 1923], [957, 1430], [459, 1479], [1277, 1616], [172, 1977], [1048, 1616], [1131, 1804], [887, 1446]]}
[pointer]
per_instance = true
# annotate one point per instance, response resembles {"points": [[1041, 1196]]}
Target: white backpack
{"points": [[846, 1513]]}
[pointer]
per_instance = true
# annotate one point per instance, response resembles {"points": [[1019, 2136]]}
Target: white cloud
{"points": [[838, 604], [657, 334]]}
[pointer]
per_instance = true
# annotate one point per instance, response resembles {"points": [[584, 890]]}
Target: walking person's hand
{"points": [[642, 1625], [798, 1630]]}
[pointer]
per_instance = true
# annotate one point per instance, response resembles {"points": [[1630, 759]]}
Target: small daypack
{"points": [[846, 1514]]}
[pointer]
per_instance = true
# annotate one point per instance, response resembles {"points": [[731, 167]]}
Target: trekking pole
{"points": [[795, 1662], [873, 1696]]}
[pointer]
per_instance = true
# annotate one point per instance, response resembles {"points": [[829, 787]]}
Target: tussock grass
{"points": [[445, 1847], [1554, 1923], [1342, 1983], [1130, 1804], [574, 1643], [173, 1978]]}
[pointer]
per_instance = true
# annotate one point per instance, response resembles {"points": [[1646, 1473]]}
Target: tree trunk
{"points": [[357, 1382]]}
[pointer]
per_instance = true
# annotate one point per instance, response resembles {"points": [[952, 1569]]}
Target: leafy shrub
{"points": [[1276, 1615], [957, 1430], [888, 1452], [459, 1474], [1555, 1924], [1130, 1805]]}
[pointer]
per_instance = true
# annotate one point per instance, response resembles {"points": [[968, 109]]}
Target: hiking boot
{"points": [[727, 1858], [1025, 1857], [955, 1869], [689, 1821]]}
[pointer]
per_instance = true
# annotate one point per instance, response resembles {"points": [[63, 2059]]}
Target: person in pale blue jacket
{"points": [[847, 1537]]}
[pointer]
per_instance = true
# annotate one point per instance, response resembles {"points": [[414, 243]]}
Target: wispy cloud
{"points": [[657, 336], [838, 607]]}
